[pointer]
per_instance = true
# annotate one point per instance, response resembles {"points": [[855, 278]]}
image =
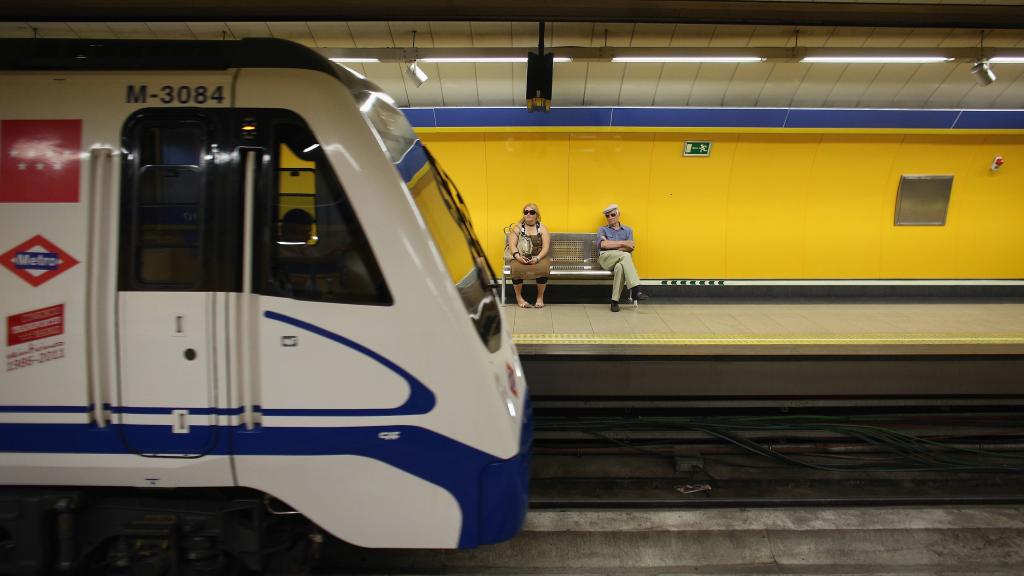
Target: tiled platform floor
{"points": [[802, 323]]}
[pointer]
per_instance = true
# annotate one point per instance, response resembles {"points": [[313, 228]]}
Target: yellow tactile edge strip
{"points": [[765, 340]]}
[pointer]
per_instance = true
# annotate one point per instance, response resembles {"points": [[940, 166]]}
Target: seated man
{"points": [[616, 244]]}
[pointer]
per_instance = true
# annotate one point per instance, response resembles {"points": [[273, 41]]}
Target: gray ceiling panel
{"points": [[639, 84], [371, 34], [458, 84], [653, 35], [208, 30], [890, 81], [676, 84], [604, 81], [987, 96], [334, 34], [855, 80], [88, 29], [491, 34], [781, 81], [952, 91], [746, 84], [693, 35], [712, 82], [294, 31], [782, 84], [494, 84], [922, 85], [569, 84]]}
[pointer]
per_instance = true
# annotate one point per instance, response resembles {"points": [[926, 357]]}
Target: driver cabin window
{"points": [[318, 249]]}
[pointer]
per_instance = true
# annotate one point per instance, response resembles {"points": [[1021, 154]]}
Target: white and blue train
{"points": [[232, 274]]}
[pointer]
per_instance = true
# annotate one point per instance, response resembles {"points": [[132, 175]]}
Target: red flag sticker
{"points": [[35, 325], [39, 160], [37, 260]]}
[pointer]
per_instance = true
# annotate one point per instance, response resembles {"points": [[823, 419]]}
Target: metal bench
{"points": [[573, 257]]}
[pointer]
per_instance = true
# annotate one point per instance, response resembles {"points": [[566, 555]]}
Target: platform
{"points": [[776, 352], [983, 540], [772, 327]]}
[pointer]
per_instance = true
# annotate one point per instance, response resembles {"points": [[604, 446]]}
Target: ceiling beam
{"points": [[787, 13], [605, 54]]}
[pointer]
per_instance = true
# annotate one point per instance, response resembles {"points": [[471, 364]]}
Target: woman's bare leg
{"points": [[518, 288]]}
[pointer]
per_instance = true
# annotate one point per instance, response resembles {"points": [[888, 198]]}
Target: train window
{"points": [[450, 229], [167, 191], [318, 249]]}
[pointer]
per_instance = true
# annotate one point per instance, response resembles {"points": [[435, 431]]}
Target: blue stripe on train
{"points": [[497, 489], [421, 400]]}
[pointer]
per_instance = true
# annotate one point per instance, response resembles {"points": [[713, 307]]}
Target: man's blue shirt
{"points": [[608, 233]]}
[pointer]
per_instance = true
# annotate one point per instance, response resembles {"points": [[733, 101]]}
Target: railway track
{"points": [[655, 457]]}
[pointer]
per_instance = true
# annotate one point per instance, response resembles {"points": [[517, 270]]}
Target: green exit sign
{"points": [[691, 148]]}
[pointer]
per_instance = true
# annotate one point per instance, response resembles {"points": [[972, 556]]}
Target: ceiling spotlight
{"points": [[416, 74], [982, 73]]}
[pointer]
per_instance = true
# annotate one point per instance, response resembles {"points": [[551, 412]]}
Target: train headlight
{"points": [[513, 386]]}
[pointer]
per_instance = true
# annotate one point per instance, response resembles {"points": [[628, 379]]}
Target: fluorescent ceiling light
{"points": [[486, 60], [876, 59], [1006, 60], [355, 60], [706, 59]]}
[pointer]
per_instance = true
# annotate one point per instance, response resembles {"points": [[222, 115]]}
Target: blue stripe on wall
{"points": [[420, 116], [700, 117], [716, 117], [805, 118], [465, 117], [991, 119]]}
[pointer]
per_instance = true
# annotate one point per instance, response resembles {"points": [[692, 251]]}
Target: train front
{"points": [[491, 485]]}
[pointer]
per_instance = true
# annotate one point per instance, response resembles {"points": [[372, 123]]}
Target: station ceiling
{"points": [[777, 82]]}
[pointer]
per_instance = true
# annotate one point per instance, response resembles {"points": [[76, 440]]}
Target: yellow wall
{"points": [[764, 205]]}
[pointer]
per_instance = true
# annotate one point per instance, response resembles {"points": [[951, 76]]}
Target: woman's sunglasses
{"points": [[529, 212]]}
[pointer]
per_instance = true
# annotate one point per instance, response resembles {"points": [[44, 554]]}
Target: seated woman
{"points": [[529, 243]]}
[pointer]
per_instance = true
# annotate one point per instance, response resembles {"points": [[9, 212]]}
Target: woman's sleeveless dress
{"points": [[541, 269]]}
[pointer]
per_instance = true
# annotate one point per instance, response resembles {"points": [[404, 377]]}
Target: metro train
{"points": [[238, 291]]}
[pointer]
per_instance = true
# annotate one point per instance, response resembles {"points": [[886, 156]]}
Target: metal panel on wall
{"points": [[923, 200]]}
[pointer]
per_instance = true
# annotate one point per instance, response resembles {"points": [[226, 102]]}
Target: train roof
{"points": [[83, 54]]}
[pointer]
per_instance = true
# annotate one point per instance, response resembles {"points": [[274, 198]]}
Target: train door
{"points": [[179, 258], [317, 286]]}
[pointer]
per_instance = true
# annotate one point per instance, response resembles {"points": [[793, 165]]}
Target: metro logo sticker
{"points": [[35, 325], [39, 160], [37, 260]]}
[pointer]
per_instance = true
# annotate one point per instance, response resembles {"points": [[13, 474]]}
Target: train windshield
{"points": [[442, 209]]}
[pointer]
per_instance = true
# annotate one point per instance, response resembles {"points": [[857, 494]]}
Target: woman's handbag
{"points": [[523, 244]]}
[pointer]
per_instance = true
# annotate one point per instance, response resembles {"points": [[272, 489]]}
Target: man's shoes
{"points": [[638, 295], [615, 305]]}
